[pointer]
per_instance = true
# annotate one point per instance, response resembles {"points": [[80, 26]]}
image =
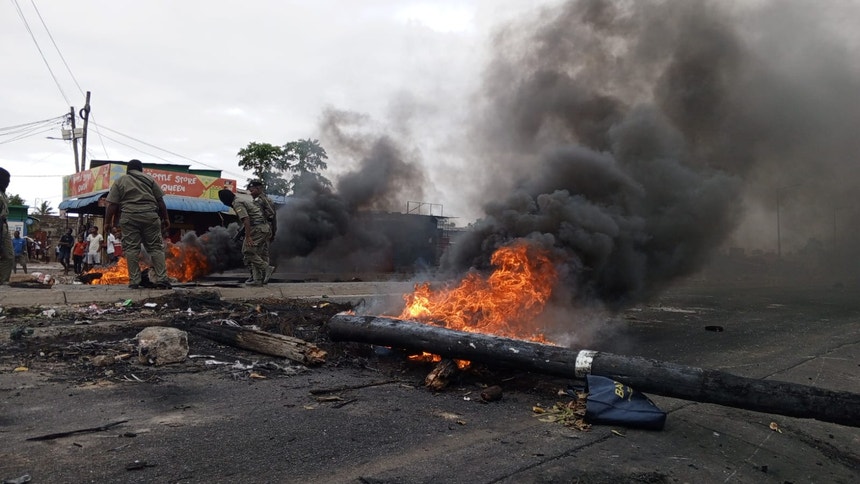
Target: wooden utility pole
{"points": [[74, 138], [85, 115]]}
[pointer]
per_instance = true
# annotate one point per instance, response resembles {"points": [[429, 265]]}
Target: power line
{"points": [[66, 64], [32, 123], [68, 69], [172, 153], [135, 148], [27, 134], [42, 54]]}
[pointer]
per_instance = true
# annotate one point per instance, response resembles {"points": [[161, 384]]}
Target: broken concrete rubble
{"points": [[162, 346]]}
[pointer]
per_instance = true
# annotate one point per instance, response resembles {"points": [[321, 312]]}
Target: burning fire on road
{"points": [[505, 303], [189, 260]]}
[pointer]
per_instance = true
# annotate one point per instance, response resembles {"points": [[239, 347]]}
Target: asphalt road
{"points": [[199, 425]]}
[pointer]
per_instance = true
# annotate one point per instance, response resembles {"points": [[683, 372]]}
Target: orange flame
{"points": [[184, 263], [506, 303]]}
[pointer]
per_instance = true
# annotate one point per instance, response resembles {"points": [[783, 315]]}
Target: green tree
{"points": [[16, 200], [306, 157], [268, 164], [44, 208]]}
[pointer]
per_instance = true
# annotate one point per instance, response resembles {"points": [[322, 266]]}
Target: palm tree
{"points": [[44, 208]]}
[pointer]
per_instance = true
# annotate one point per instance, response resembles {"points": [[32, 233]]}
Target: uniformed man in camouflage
{"points": [[138, 202], [257, 192], [257, 234], [7, 254]]}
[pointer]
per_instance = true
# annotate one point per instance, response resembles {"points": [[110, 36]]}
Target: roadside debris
{"points": [[18, 480], [68, 433], [162, 346], [263, 342]]}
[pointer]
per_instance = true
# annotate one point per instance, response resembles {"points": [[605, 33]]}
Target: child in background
{"points": [[78, 254]]}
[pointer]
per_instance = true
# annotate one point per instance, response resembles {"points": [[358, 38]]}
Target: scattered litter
{"points": [[775, 427], [18, 332], [18, 480], [670, 309], [137, 464], [256, 375], [150, 305], [617, 433], [21, 368], [49, 313], [491, 393]]}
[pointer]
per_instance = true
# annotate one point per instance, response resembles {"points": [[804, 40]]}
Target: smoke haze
{"points": [[631, 139]]}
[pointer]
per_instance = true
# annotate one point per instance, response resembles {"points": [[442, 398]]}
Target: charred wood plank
{"points": [[643, 374], [273, 344], [441, 375]]}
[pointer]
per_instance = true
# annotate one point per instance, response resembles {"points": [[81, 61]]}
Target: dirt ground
{"points": [[364, 416]]}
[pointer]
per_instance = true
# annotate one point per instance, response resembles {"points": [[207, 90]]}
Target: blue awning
{"points": [[191, 204], [173, 202], [81, 202]]}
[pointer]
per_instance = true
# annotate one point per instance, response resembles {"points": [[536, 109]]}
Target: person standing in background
{"points": [[93, 257], [65, 247], [117, 245], [78, 251], [21, 257], [109, 247], [7, 253]]}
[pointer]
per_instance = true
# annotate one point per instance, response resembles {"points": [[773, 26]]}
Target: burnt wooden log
{"points": [[294, 349], [441, 375], [643, 374]]}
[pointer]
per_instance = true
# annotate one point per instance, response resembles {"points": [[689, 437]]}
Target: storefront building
{"points": [[191, 196]]}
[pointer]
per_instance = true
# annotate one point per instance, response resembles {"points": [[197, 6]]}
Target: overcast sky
{"points": [[448, 81], [202, 79]]}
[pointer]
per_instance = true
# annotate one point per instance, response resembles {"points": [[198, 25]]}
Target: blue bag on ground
{"points": [[613, 403]]}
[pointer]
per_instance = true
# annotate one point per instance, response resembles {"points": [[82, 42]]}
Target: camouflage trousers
{"points": [[253, 249], [7, 254], [143, 228]]}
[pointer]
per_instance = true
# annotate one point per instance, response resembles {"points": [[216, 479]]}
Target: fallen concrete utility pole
{"points": [[643, 374]]}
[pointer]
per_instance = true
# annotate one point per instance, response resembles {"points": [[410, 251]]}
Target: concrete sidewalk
{"points": [[61, 294]]}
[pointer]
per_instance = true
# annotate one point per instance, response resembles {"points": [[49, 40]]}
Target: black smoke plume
{"points": [[330, 227], [629, 137]]}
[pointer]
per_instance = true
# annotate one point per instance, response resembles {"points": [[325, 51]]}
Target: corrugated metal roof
{"points": [[81, 202], [173, 202], [190, 204]]}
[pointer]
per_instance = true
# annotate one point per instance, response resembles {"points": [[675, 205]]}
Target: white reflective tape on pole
{"points": [[583, 363]]}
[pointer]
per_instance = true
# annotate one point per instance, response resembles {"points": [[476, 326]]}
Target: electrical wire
{"points": [[171, 153], [136, 148], [36, 130], [68, 69], [42, 54], [72, 74], [9, 128]]}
